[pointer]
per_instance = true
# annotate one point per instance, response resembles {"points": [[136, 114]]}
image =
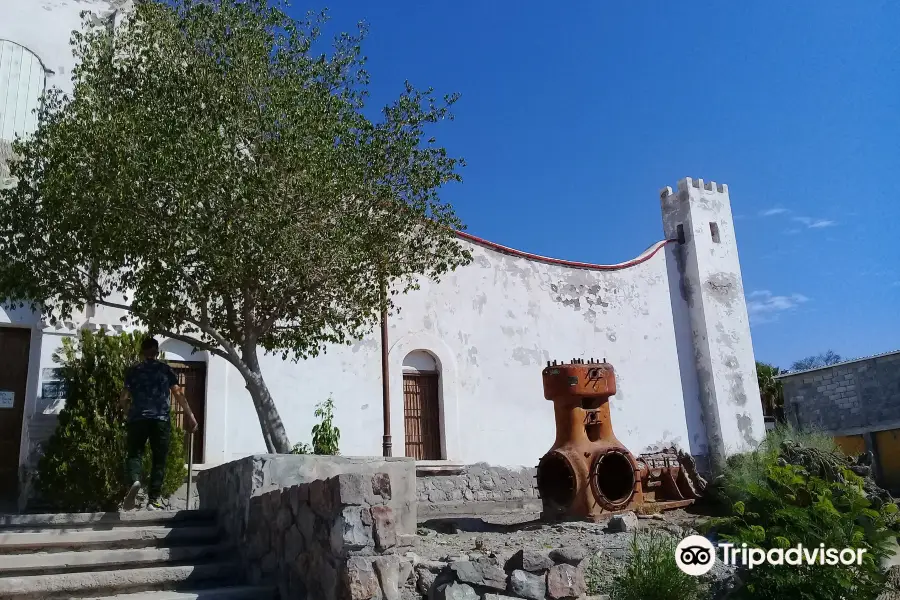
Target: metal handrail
{"points": [[190, 473]]}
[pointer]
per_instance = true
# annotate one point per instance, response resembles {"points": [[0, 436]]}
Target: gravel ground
{"points": [[451, 539], [500, 537]]}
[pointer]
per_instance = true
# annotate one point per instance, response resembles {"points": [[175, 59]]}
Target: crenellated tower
{"points": [[698, 215]]}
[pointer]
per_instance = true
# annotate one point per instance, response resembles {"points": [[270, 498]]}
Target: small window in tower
{"points": [[680, 231], [714, 231]]}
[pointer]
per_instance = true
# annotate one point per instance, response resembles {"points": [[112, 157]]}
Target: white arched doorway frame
{"points": [[447, 390], [215, 439]]}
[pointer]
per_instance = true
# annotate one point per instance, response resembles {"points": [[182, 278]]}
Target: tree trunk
{"points": [[276, 438]]}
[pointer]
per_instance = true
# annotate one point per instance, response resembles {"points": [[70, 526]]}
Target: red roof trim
{"points": [[645, 256]]}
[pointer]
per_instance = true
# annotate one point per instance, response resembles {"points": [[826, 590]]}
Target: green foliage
{"points": [[223, 176], [326, 437], [82, 468], [771, 390], [651, 572], [817, 360], [595, 578], [301, 448], [783, 504], [744, 471]]}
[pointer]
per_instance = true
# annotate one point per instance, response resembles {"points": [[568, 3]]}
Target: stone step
{"points": [[229, 593], [57, 562], [79, 585], [107, 519], [116, 537]]}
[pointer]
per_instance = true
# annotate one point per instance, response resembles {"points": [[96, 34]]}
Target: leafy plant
{"points": [[816, 505], [326, 437], [301, 448], [771, 390], [743, 471], [218, 181], [651, 572], [82, 468]]}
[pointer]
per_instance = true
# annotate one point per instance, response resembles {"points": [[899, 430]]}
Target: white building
{"points": [[673, 322]]}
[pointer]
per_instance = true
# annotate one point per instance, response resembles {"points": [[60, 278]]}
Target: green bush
{"points": [[325, 436], [649, 572], [809, 496], [744, 471], [83, 466]]}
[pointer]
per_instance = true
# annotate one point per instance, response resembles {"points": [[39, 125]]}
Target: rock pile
{"points": [[530, 574], [536, 561]]}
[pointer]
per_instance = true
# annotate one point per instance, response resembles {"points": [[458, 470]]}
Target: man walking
{"points": [[149, 384]]}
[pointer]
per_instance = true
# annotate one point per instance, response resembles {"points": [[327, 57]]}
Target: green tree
{"points": [[82, 468], [218, 180], [817, 360], [771, 391]]}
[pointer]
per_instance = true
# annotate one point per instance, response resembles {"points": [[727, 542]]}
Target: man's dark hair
{"points": [[149, 345]]}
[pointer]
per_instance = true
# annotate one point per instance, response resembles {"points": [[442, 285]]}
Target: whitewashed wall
{"points": [[45, 27], [492, 326]]}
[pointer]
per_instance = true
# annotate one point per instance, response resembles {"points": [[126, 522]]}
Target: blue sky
{"points": [[574, 115]]}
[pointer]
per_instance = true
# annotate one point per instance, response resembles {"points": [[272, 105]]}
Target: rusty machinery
{"points": [[588, 472]]}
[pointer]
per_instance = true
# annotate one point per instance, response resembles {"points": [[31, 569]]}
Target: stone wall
{"points": [[229, 488], [849, 398], [476, 490], [327, 539]]}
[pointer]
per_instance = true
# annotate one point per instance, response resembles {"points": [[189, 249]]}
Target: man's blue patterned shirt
{"points": [[149, 383]]}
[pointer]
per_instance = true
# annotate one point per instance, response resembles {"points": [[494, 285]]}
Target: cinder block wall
{"points": [[854, 397]]}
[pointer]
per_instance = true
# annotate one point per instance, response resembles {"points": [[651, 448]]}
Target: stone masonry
{"points": [[848, 398], [478, 489], [328, 539], [229, 488]]}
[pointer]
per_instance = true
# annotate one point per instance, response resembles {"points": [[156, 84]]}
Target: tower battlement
{"points": [[688, 182]]}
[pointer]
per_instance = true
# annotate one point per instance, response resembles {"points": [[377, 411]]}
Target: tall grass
{"points": [[651, 572], [746, 470]]}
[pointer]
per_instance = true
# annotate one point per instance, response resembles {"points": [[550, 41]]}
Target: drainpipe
{"points": [[385, 375]]}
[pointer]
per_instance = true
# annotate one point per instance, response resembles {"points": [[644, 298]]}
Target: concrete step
{"points": [[101, 559], [107, 519], [116, 537], [79, 585], [229, 593]]}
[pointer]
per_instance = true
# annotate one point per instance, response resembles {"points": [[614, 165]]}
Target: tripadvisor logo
{"points": [[696, 555]]}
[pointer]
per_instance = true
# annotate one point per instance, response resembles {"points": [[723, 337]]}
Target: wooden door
{"points": [[192, 379], [421, 416], [14, 347]]}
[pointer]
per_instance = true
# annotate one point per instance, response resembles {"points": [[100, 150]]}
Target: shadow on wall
{"points": [[684, 344]]}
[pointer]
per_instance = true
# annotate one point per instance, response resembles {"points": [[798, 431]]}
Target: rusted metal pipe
{"points": [[387, 444]]}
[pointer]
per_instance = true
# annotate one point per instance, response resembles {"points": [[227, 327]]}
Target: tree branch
{"points": [[228, 351], [199, 345]]}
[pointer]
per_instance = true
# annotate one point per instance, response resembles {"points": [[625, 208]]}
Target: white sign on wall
{"points": [[7, 399]]}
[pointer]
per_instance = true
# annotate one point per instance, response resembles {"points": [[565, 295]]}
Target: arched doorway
{"points": [[190, 367], [421, 406]]}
